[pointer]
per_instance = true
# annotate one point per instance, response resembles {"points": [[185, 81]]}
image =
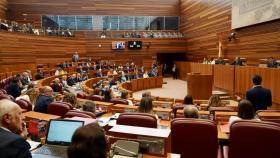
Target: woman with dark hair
{"points": [[88, 142], [245, 111], [214, 101], [146, 105], [125, 95], [107, 95], [188, 100], [70, 98]]}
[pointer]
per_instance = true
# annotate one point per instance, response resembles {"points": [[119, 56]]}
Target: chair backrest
{"points": [[194, 138], [96, 98], [81, 95], [177, 107], [220, 118], [119, 101], [24, 104], [59, 108], [269, 115], [137, 119], [85, 114], [257, 139]]}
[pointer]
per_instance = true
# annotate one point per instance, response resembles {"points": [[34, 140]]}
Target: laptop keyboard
{"points": [[50, 150]]}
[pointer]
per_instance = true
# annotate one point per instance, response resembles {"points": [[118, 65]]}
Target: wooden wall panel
{"points": [[205, 22], [224, 77], [183, 69], [3, 9], [35, 9], [202, 68], [22, 49]]}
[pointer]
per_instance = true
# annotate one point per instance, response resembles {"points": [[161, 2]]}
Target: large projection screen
{"points": [[250, 12]]}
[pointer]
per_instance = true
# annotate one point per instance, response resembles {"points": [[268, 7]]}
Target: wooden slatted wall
{"points": [[3, 9], [205, 21]]}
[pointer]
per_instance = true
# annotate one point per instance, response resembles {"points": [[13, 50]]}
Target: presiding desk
{"points": [[31, 115]]}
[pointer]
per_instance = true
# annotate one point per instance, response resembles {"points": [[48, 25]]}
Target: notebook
{"points": [[58, 138]]}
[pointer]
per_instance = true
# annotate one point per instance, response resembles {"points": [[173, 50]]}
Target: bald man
{"points": [[190, 111], [12, 144], [44, 100]]}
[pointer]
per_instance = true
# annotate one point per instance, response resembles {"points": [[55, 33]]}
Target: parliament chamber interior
{"points": [[150, 78]]}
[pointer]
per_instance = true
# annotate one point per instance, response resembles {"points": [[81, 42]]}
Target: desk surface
{"points": [[39, 116], [143, 131]]}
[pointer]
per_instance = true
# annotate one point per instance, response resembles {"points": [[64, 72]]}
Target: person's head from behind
{"points": [[88, 142], [257, 80], [146, 105], [246, 110], [188, 100], [146, 94], [124, 94], [190, 111], [11, 116], [107, 95], [70, 98], [214, 101], [89, 106]]}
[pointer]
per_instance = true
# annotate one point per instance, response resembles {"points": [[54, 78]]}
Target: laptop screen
{"points": [[60, 131]]}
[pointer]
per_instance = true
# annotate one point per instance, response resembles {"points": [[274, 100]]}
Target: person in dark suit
{"points": [[259, 96], [237, 61], [44, 100], [272, 63], [14, 88], [220, 60], [12, 131]]}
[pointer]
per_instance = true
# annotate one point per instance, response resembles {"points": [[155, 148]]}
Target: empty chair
{"points": [[24, 104], [269, 115], [74, 113], [194, 138], [137, 119], [220, 118], [96, 98], [177, 107], [59, 108], [254, 139]]}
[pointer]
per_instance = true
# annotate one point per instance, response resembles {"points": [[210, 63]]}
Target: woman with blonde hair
{"points": [[214, 101], [70, 98]]}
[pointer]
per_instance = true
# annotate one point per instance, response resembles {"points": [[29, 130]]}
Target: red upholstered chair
{"points": [[3, 91], [137, 119], [96, 98], [119, 101], [81, 95], [194, 138], [256, 139], [59, 108], [5, 96], [85, 114], [24, 104]]}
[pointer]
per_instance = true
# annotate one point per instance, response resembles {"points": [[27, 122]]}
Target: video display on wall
{"points": [[118, 45]]}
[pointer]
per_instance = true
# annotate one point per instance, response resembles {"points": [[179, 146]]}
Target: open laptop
{"points": [[58, 138]]}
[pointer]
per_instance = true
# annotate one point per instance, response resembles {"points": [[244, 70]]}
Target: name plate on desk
{"points": [[154, 140]]}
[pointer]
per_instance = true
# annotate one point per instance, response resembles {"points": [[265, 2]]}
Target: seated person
{"points": [[89, 106], [146, 94], [44, 100], [237, 61], [88, 142], [107, 95], [190, 111], [245, 112], [188, 100], [220, 60], [14, 87], [214, 101], [72, 80], [12, 131], [99, 73], [125, 95], [146, 105], [272, 63], [56, 85], [39, 75], [146, 75], [71, 99]]}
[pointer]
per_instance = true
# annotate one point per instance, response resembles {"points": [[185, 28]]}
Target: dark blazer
{"points": [[237, 62], [13, 146], [13, 89], [42, 103], [259, 97]]}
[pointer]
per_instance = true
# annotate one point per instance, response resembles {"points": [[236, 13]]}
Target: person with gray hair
{"points": [[190, 111], [12, 131]]}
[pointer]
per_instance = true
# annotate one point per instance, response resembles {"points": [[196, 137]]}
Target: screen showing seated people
{"points": [[118, 45], [61, 131], [134, 44]]}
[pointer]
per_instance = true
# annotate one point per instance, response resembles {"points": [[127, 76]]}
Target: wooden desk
{"points": [[163, 113], [39, 116], [163, 104], [202, 114]]}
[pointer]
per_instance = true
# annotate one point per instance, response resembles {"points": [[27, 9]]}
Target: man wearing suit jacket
{"points": [[259, 96], [12, 131]]}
